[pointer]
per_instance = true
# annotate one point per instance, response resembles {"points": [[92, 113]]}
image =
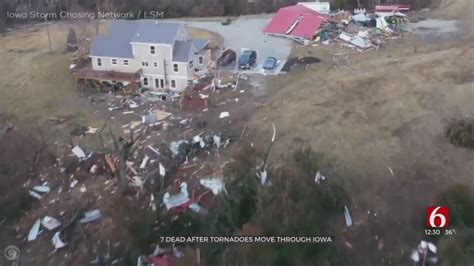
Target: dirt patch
{"points": [[460, 132], [294, 61]]}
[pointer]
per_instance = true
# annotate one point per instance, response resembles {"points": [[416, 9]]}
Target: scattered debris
{"points": [[42, 189], [180, 147], [57, 242], [94, 169], [81, 131], [391, 171], [91, 216], [162, 170], [347, 217], [178, 201], [195, 207], [224, 115], [155, 117], [319, 178], [35, 194], [144, 162], [426, 252], [50, 223], [34, 231], [216, 185]]}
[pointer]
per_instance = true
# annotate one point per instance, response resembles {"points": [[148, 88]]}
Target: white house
{"points": [[163, 51]]}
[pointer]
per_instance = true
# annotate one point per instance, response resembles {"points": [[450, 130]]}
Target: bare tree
{"points": [[123, 150]]}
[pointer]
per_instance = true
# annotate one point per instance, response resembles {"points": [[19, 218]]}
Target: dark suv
{"points": [[247, 59]]}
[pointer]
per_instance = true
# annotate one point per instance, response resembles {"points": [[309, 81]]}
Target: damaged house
{"points": [[299, 23], [158, 55]]}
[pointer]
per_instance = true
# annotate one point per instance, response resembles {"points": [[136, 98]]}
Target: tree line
{"points": [[178, 8]]}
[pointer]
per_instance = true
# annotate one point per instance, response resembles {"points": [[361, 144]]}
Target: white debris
{"points": [[152, 202], [144, 162], [34, 231], [178, 199], [162, 170], [391, 171], [214, 184], [195, 207], [50, 223], [91, 130], [79, 153], [57, 242], [137, 181], [42, 189], [426, 250], [174, 146], [415, 256], [83, 188], [73, 183], [423, 245], [274, 133], [347, 217], [432, 247], [91, 216], [35, 194], [262, 175], [217, 141], [319, 178], [153, 149], [224, 115], [200, 140], [94, 169]]}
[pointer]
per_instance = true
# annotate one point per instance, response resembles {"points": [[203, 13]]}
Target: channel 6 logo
{"points": [[437, 217]]}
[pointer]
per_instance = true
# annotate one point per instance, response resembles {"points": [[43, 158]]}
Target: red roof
{"points": [[305, 21]]}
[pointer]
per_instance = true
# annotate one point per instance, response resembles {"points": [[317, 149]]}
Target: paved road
{"points": [[247, 33]]}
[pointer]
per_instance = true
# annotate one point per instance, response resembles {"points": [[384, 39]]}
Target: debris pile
{"points": [[362, 31], [425, 253]]}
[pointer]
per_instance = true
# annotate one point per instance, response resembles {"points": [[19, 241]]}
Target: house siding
{"points": [[165, 66], [162, 54], [132, 67], [206, 59]]}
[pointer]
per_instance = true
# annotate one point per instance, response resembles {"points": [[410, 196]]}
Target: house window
{"points": [[155, 64], [175, 67], [173, 83], [145, 81], [152, 50], [200, 59], [125, 62], [114, 61], [191, 64], [145, 63], [99, 61]]}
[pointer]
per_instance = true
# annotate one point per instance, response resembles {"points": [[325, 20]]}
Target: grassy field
{"points": [[34, 81]]}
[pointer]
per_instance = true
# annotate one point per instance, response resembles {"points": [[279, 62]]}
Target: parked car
{"points": [[247, 59], [270, 63]]}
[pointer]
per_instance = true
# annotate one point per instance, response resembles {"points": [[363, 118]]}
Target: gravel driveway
{"points": [[247, 33]]}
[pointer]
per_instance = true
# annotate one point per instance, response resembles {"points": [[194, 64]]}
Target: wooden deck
{"points": [[83, 70]]}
